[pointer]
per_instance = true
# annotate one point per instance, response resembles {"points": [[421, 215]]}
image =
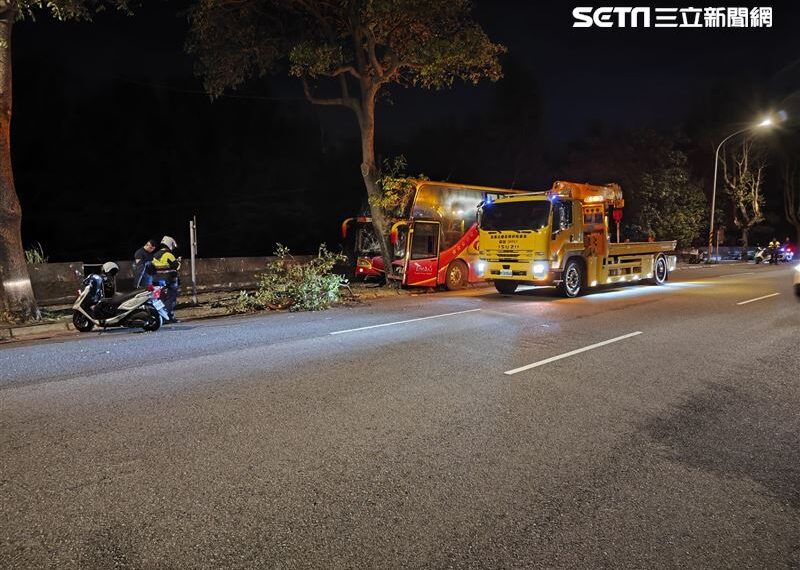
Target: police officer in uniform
{"points": [[774, 246], [166, 266]]}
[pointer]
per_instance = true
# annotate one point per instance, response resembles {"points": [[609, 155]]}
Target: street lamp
{"points": [[766, 123]]}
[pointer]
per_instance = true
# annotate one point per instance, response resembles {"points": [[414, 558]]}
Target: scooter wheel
{"points": [[81, 322], [153, 320]]}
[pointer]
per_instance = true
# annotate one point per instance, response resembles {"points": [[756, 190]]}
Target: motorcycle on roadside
{"points": [[764, 255], [138, 309]]}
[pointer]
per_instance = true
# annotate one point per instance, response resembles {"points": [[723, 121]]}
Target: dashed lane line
{"points": [[404, 322], [571, 353], [758, 299]]}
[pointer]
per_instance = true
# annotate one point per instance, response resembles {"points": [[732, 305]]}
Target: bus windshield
{"points": [[528, 215], [366, 242]]}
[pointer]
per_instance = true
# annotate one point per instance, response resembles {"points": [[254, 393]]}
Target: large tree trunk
{"points": [[745, 241], [369, 171], [16, 294]]}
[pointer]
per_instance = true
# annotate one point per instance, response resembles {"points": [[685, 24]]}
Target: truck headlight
{"points": [[539, 269], [481, 268]]}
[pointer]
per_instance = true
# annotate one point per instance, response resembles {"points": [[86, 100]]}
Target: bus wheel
{"points": [[505, 287], [660, 271], [572, 279], [457, 276]]}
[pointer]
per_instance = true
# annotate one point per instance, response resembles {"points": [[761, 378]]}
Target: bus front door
{"points": [[423, 259]]}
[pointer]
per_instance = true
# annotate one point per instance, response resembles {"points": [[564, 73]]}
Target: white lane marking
{"points": [[406, 321], [571, 353], [734, 275], [758, 299]]}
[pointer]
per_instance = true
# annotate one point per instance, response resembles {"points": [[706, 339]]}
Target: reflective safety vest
{"points": [[164, 260]]}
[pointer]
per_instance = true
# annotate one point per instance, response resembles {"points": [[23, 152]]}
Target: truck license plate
{"points": [[505, 272]]}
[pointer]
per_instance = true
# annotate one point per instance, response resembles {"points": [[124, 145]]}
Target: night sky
{"points": [[114, 141]]}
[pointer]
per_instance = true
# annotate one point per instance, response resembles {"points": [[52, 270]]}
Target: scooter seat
{"points": [[120, 298]]}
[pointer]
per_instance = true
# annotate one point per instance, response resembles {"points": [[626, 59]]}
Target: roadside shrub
{"points": [[287, 284], [35, 255]]}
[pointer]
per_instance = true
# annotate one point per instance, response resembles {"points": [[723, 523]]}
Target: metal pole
{"points": [[193, 250], [713, 205], [714, 194]]}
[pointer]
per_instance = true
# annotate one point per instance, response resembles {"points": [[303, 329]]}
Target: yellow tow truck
{"points": [[560, 237]]}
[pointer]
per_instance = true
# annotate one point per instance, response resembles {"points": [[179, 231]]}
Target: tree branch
{"points": [[392, 66], [344, 101], [342, 69], [373, 56], [356, 35], [320, 101], [790, 189]]}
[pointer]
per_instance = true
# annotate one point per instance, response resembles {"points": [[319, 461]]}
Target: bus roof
{"points": [[523, 196], [420, 183]]}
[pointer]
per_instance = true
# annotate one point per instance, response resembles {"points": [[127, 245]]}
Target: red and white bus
{"points": [[434, 239]]}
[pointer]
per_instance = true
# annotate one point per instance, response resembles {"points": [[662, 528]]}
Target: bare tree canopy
{"points": [[743, 183]]}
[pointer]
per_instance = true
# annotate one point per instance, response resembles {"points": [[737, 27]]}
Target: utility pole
{"points": [[193, 253]]}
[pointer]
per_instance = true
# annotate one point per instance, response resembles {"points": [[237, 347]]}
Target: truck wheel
{"points": [[505, 286], [572, 279], [457, 276], [660, 271], [81, 322]]}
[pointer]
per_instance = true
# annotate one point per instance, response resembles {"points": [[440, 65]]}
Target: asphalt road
{"points": [[636, 427]]}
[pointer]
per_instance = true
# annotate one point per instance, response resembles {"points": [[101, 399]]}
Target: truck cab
{"points": [[560, 237]]}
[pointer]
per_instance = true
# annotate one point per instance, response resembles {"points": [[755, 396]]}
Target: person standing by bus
{"points": [[166, 266]]}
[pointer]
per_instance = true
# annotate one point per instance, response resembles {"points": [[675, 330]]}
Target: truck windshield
{"points": [[528, 215]]}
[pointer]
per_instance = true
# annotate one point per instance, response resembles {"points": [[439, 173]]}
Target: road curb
{"points": [[51, 330], [47, 329]]}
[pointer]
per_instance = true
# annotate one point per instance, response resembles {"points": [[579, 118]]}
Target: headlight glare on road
{"points": [[797, 268]]}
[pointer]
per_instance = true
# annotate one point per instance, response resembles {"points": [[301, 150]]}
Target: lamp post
{"points": [[763, 124]]}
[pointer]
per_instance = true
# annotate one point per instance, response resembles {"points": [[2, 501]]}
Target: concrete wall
{"points": [[57, 283]]}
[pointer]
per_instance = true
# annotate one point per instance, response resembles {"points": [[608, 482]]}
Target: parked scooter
{"points": [[139, 309], [764, 255]]}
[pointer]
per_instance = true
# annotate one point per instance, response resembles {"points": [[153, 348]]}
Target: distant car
{"points": [[691, 255]]}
